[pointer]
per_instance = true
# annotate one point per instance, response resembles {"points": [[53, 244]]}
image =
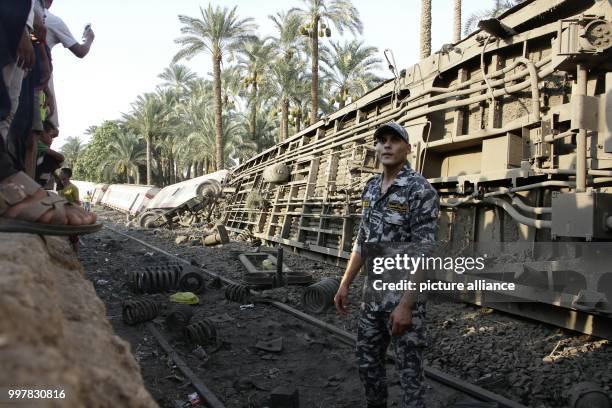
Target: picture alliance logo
{"points": [[405, 262]]}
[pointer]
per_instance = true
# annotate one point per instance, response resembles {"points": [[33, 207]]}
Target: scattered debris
{"points": [[175, 377], [249, 306], [201, 353], [274, 346], [187, 298], [284, 397], [181, 239], [219, 237], [179, 317], [588, 395], [194, 399]]}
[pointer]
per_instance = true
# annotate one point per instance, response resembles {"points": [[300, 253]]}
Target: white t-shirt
{"points": [[58, 32]]}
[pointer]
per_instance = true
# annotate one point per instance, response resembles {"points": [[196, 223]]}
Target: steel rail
{"points": [[208, 396], [349, 338]]}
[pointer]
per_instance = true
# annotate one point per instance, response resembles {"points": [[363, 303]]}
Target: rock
{"points": [[275, 345], [181, 239], [56, 328], [243, 384]]}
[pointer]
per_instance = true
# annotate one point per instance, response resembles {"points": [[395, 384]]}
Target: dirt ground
{"points": [[507, 355]]}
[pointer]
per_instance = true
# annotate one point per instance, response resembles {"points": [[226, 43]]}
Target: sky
{"points": [[135, 42]]}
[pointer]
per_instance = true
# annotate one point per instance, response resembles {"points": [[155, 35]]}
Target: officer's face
{"points": [[391, 149]]}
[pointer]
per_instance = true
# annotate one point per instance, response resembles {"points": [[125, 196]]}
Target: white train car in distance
{"points": [[127, 198], [175, 195]]}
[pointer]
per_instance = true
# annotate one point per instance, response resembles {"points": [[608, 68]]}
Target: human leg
{"points": [[372, 343], [409, 364], [13, 77]]}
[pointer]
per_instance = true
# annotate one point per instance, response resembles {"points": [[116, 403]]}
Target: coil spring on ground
{"points": [[236, 292], [155, 279], [179, 317], [139, 311], [319, 297], [201, 332]]}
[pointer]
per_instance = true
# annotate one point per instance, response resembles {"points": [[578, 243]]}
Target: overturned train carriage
{"points": [[512, 125], [185, 203]]}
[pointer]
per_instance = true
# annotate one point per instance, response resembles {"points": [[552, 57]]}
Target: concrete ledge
{"points": [[54, 332]]}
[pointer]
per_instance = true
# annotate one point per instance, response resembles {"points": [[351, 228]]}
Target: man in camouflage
{"points": [[399, 205]]}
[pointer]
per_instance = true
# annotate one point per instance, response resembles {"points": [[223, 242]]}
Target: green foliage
{"points": [[89, 166], [71, 150], [126, 153], [350, 70], [262, 88]]}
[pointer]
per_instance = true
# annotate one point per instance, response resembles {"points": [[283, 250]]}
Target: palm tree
{"points": [[191, 112], [290, 44], [91, 130], [177, 77], [287, 70], [457, 22], [148, 119], [301, 104], [287, 79], [254, 59], [203, 144], [127, 153], [71, 150], [351, 70], [499, 7], [218, 32], [316, 17], [425, 28]]}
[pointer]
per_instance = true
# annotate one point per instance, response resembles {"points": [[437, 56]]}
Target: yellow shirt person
{"points": [[70, 193]]}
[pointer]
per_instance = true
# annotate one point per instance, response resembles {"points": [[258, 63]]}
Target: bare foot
{"points": [[74, 215]]}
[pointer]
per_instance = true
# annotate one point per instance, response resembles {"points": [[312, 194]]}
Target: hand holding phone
{"points": [[86, 30]]}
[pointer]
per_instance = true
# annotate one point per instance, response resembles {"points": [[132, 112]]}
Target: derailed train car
{"points": [[129, 199], [151, 206], [512, 126], [187, 202]]}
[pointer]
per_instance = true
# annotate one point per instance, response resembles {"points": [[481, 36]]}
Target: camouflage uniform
{"points": [[407, 212]]}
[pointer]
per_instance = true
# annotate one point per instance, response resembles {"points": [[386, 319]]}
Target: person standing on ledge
{"points": [[399, 205]]}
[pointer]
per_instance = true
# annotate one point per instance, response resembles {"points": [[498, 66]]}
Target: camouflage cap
{"points": [[392, 127]]}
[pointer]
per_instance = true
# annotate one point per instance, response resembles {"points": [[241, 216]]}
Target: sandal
{"points": [[20, 186]]}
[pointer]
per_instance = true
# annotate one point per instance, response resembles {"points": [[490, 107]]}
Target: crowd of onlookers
{"points": [[29, 123]]}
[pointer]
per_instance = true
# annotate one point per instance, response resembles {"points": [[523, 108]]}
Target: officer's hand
{"points": [[341, 300], [400, 320]]}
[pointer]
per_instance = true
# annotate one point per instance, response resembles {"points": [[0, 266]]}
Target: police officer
{"points": [[399, 205]]}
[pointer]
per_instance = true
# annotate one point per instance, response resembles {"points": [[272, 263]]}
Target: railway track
{"points": [[473, 394]]}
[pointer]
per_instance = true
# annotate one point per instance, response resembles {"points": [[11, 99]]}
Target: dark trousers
{"points": [[373, 338]]}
